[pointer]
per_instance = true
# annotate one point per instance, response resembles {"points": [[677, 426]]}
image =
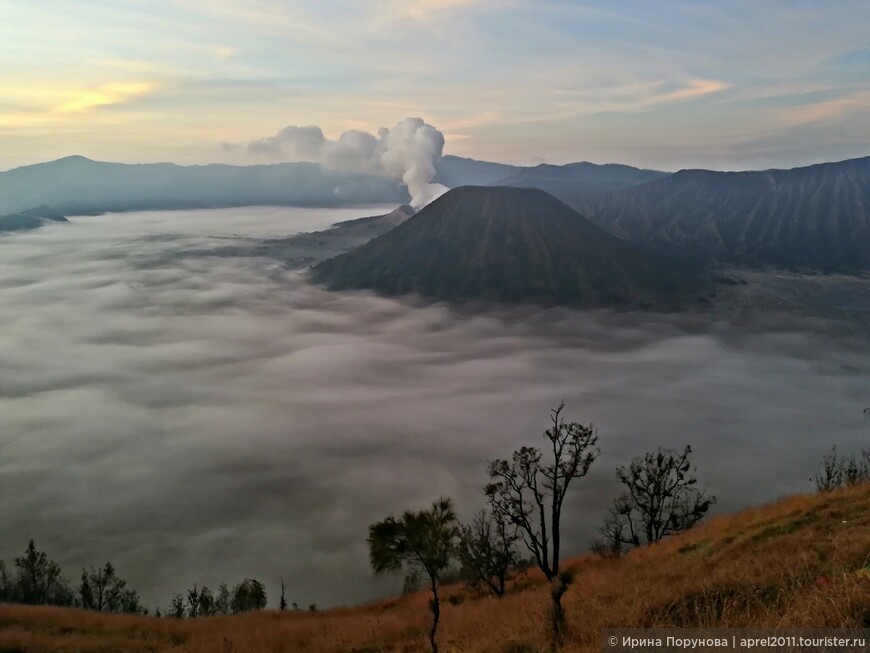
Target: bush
{"points": [[839, 471]]}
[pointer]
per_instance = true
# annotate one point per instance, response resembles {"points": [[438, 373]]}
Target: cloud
{"points": [[197, 418], [425, 9], [408, 152], [693, 89], [294, 143], [106, 94], [827, 109]]}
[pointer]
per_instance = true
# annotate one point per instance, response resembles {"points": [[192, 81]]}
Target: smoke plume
{"points": [[408, 153]]}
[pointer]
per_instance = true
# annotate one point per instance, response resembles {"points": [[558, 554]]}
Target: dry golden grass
{"points": [[802, 561]]}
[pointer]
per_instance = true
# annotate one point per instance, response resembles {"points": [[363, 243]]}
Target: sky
{"points": [[669, 84]]}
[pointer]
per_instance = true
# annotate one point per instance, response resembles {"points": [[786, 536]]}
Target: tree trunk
{"points": [[436, 616], [558, 587]]}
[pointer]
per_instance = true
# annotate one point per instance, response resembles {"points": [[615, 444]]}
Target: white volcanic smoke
{"points": [[408, 152]]}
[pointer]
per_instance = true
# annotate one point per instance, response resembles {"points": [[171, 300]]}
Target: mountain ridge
{"points": [[78, 185], [576, 180], [814, 216], [30, 219]]}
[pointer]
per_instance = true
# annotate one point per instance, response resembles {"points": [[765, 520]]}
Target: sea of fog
{"points": [[196, 418]]}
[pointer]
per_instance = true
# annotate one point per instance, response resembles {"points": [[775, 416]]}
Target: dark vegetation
{"points": [[837, 471], [488, 550], [529, 492], [799, 562], [661, 498], [525, 505], [36, 579], [424, 540], [102, 590]]}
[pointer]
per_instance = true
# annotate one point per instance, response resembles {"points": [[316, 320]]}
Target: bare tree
{"points": [[40, 581], [176, 607], [424, 540], [193, 602], [7, 585], [488, 550], [282, 604], [102, 590], [530, 494], [843, 471], [661, 498]]}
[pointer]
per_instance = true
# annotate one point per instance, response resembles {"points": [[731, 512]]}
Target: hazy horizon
{"points": [[253, 164]]}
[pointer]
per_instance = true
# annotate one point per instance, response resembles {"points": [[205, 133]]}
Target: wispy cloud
{"points": [[694, 89], [103, 95], [828, 109], [423, 9]]}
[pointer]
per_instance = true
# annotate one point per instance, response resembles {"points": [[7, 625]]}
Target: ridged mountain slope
{"points": [[817, 216]]}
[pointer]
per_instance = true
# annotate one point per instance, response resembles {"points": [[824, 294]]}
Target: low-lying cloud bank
{"points": [[199, 419]]}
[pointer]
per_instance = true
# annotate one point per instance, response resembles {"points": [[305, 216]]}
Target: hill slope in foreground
{"points": [[803, 561], [514, 245]]}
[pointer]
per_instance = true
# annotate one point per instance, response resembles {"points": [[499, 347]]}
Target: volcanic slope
{"points": [[511, 245], [813, 217]]}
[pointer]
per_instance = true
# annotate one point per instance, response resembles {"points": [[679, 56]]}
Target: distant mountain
{"points": [[30, 219], [576, 180], [815, 217], [510, 244], [77, 185], [453, 171]]}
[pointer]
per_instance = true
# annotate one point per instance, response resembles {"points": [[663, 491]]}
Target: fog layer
{"points": [[198, 418]]}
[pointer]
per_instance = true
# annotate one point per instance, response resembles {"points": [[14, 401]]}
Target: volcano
{"points": [[512, 245]]}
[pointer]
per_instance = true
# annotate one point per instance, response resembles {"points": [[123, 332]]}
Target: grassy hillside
{"points": [[802, 561]]}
